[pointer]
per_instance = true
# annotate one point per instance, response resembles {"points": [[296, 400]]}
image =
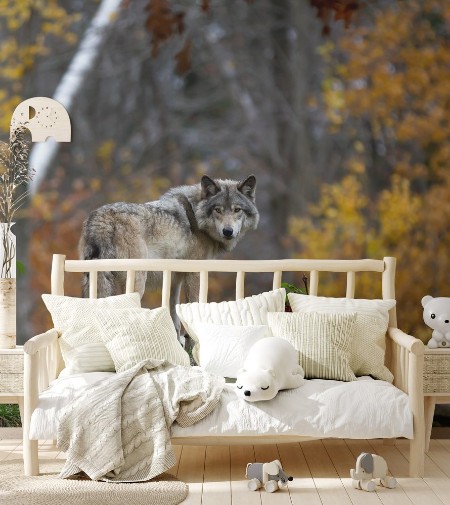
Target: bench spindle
{"points": [[277, 279], [131, 279], [313, 282], [93, 284], [167, 281], [351, 278], [240, 288], [203, 293]]}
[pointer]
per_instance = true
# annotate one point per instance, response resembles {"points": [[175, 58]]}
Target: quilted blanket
{"points": [[118, 430]]}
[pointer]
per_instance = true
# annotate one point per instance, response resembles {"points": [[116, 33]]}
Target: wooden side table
{"points": [[436, 385], [11, 376]]}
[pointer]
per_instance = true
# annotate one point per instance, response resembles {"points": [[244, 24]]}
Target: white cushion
{"points": [[81, 345], [322, 341], [224, 348], [135, 335], [44, 420], [368, 346], [359, 409], [249, 311]]}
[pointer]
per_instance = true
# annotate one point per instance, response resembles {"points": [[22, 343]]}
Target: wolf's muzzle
{"points": [[228, 233]]}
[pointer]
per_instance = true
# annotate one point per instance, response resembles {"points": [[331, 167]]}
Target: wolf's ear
{"points": [[209, 187], [248, 187]]}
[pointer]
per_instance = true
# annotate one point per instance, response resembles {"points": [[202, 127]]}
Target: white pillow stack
{"points": [[368, 344], [322, 341], [74, 318], [249, 311], [135, 335]]}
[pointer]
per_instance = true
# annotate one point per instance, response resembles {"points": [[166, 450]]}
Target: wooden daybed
{"points": [[404, 353]]}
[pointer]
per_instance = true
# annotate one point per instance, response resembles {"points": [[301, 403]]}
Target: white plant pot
{"points": [[7, 290], [10, 240], [7, 313]]}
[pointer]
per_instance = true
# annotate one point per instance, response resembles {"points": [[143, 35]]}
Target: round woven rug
{"points": [[48, 489]]}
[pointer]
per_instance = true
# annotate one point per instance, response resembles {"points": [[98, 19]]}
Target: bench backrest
{"points": [[386, 267]]}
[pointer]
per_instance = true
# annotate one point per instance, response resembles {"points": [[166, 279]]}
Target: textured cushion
{"points": [[135, 335], [248, 311], [369, 336], [81, 346], [322, 341], [224, 348]]}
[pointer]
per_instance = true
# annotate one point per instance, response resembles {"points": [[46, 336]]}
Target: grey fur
{"points": [[187, 222]]}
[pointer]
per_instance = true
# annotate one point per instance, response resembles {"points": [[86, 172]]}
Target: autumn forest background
{"points": [[347, 129]]}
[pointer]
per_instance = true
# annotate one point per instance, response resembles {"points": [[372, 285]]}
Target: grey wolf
{"points": [[188, 222]]}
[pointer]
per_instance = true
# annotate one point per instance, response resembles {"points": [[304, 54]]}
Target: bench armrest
{"points": [[412, 344], [405, 358], [34, 344]]}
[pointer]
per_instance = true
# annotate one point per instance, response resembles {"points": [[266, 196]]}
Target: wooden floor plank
{"points": [[240, 456], [328, 484], [434, 476], [216, 475], [416, 489], [343, 460], [445, 444], [191, 470], [216, 479], [439, 454], [302, 489]]}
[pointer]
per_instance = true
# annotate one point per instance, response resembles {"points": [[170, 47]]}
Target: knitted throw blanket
{"points": [[118, 430]]}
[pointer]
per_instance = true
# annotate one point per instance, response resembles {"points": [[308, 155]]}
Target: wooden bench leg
{"points": [[30, 457], [417, 456], [429, 404]]}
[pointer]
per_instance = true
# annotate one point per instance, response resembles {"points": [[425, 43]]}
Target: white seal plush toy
{"points": [[271, 365]]}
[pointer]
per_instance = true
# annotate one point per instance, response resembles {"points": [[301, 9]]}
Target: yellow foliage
{"points": [[395, 79], [17, 59]]}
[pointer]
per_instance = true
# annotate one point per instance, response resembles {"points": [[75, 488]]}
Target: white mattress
{"points": [[365, 408]]}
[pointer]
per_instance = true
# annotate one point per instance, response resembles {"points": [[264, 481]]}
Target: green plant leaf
{"points": [[20, 268], [291, 288]]}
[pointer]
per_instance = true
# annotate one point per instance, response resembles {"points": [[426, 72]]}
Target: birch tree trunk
{"points": [[43, 154]]}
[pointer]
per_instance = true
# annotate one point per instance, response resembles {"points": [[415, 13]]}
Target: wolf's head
{"points": [[227, 209]]}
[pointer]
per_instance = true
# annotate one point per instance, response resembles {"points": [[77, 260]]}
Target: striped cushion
{"points": [[369, 336], [135, 335], [322, 341], [81, 346], [249, 311]]}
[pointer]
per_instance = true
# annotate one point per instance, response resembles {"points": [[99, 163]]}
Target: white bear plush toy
{"points": [[436, 314], [271, 365]]}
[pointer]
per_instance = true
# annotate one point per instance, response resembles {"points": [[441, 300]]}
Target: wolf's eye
{"points": [[239, 387], [218, 210], [265, 389], [237, 209], [433, 316]]}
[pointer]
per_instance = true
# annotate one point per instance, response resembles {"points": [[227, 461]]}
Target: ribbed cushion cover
{"points": [[322, 341], [249, 311], [82, 348], [368, 346], [135, 335]]}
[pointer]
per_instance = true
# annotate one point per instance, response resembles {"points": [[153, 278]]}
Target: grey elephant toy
{"points": [[368, 467], [270, 475]]}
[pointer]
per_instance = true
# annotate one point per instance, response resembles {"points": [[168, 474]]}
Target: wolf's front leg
{"points": [[191, 287], [175, 290], [191, 291]]}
